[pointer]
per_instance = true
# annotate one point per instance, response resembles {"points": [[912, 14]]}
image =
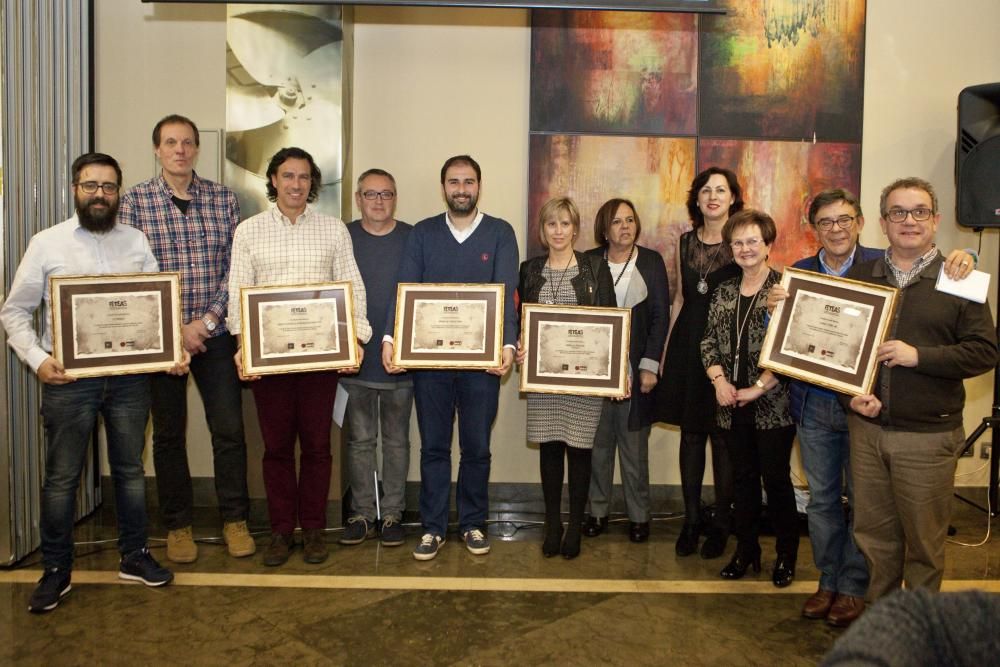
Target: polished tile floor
{"points": [[618, 603]]}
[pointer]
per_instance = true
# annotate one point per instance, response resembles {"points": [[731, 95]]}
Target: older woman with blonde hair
{"points": [[563, 425]]}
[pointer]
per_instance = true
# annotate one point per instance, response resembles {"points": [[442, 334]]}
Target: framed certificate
{"points": [[297, 328], [116, 324], [575, 350], [452, 325], [828, 330]]}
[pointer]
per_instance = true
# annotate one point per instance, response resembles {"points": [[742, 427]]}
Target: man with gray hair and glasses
{"points": [[907, 434], [377, 399]]}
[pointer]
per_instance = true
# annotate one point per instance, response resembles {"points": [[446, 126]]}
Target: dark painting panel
{"points": [[615, 72], [789, 69], [781, 178]]}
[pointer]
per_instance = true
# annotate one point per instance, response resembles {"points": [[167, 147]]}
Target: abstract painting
{"points": [[783, 69], [781, 178], [615, 72], [653, 172]]}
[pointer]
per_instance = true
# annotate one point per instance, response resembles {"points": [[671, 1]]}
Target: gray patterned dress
{"points": [[571, 419]]}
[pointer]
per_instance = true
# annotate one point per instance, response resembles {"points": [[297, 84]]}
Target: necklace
{"points": [[702, 286], [625, 266], [555, 291], [742, 325]]}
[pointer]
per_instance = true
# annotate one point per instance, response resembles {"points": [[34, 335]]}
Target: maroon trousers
{"points": [[296, 405]]}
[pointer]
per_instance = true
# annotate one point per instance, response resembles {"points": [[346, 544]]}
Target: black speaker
{"points": [[977, 156]]}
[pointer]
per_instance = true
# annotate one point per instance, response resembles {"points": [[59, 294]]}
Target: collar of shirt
{"points": [[283, 219], [848, 263], [462, 234], [192, 187], [904, 278]]}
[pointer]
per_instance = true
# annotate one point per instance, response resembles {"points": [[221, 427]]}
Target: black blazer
{"points": [[650, 319], [593, 285]]}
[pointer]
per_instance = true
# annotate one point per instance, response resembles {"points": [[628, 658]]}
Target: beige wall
{"points": [[430, 83]]}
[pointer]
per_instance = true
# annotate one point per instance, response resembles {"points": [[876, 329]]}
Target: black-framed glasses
{"points": [[384, 195], [90, 187], [919, 214], [844, 221]]}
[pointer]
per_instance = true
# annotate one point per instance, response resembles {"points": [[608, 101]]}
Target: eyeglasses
{"points": [[898, 215], [384, 195], [826, 224], [90, 187], [749, 243]]}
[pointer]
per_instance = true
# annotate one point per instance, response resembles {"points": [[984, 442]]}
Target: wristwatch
{"points": [[760, 383], [209, 323]]}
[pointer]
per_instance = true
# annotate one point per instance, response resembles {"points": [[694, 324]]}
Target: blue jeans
{"points": [[70, 413], [439, 395], [215, 374], [825, 445], [367, 408]]}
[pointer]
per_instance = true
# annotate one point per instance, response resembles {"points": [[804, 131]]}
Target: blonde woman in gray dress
{"points": [[563, 425]]}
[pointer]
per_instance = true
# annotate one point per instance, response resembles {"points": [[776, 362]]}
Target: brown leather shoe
{"points": [[314, 549], [277, 551], [845, 610], [819, 603]]}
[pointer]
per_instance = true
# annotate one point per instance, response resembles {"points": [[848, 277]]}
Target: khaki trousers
{"points": [[903, 485]]}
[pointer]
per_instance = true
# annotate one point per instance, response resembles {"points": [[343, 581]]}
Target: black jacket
{"points": [[592, 284]]}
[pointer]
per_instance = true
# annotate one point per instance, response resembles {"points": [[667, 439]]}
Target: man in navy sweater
{"points": [[462, 245]]}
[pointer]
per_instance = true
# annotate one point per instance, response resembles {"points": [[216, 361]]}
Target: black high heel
{"points": [[784, 571], [553, 540], [571, 543], [739, 565]]}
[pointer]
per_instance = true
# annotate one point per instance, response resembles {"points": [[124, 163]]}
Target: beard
{"points": [[455, 206], [97, 220]]}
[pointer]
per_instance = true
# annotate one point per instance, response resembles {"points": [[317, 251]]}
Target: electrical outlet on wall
{"points": [[984, 451]]}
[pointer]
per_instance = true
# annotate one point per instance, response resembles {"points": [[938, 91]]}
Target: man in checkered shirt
{"points": [[190, 222], [291, 243]]}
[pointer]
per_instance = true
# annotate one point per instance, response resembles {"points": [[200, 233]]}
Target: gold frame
{"points": [[880, 298], [253, 361], [62, 289], [532, 314], [492, 294]]}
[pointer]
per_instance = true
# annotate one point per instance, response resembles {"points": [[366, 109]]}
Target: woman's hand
{"points": [[725, 393], [647, 380], [776, 294]]}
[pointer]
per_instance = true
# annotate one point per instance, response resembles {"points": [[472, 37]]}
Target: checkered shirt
{"points": [[269, 250], [904, 278], [196, 244]]}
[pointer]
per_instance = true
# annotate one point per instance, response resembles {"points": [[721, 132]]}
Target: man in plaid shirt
{"points": [[190, 223]]}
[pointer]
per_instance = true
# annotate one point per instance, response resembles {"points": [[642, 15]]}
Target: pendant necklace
{"points": [[555, 291], [740, 328], [702, 286], [625, 266]]}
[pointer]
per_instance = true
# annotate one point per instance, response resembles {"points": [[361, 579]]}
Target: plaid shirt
{"points": [[269, 250], [196, 244], [904, 278]]}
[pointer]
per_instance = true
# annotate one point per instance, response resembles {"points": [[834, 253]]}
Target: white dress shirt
{"points": [[268, 249], [65, 249]]}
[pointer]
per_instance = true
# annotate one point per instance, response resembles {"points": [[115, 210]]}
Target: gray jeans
{"points": [[367, 408], [633, 455]]}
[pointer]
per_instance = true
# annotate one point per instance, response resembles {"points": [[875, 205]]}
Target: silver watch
{"points": [[760, 383], [209, 324]]}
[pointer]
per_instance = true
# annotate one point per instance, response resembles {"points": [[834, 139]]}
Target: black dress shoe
{"points": [[638, 532], [739, 565], [715, 544], [687, 541], [594, 526], [784, 571]]}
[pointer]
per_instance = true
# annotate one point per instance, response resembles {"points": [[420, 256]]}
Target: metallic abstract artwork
{"points": [[283, 88]]}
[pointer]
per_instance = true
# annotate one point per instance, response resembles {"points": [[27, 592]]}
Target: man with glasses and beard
{"points": [[92, 242], [462, 245]]}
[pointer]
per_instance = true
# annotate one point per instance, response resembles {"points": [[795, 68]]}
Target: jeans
{"points": [[215, 374], [289, 407], [69, 413], [439, 395], [825, 444], [367, 409], [633, 454]]}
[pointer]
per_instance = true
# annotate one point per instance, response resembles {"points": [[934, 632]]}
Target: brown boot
{"points": [[181, 547], [314, 549], [277, 551], [238, 539]]}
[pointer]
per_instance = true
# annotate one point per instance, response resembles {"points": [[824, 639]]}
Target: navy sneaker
{"points": [[141, 566], [52, 588], [393, 533], [428, 547], [476, 541], [357, 531]]}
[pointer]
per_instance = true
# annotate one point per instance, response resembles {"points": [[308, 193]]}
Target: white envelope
{"points": [[974, 288]]}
